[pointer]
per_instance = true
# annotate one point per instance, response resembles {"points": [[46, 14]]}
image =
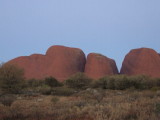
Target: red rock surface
{"points": [[144, 61], [60, 62], [98, 66]]}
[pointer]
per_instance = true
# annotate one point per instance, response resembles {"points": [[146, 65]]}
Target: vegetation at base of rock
{"points": [[117, 97], [52, 82], [122, 82], [11, 78], [78, 81], [63, 91], [12, 81]]}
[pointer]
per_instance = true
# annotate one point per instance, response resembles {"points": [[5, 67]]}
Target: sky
{"points": [[109, 27]]}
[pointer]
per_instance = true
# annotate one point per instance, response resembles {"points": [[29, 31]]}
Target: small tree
{"points": [[78, 81], [11, 78]]}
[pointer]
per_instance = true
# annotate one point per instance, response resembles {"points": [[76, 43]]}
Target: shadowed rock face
{"points": [[60, 62], [142, 61], [98, 66]]}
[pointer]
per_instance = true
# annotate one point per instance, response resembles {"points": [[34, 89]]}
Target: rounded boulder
{"points": [[142, 61], [98, 66]]}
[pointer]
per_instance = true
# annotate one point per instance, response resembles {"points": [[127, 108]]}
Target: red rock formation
{"points": [[141, 61], [60, 62], [98, 66]]}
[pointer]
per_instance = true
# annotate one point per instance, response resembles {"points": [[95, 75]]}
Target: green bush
{"points": [[78, 81], [118, 82], [141, 82], [11, 78], [45, 89], [110, 83], [154, 89], [43, 86], [101, 83], [49, 81], [122, 82], [62, 91], [52, 82], [32, 83]]}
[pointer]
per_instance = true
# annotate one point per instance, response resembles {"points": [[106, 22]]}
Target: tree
{"points": [[11, 78]]}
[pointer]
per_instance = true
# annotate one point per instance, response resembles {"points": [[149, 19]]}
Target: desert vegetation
{"points": [[117, 97], [11, 78]]}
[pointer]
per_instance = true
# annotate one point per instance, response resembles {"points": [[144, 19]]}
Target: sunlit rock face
{"points": [[142, 61], [98, 66], [60, 62]]}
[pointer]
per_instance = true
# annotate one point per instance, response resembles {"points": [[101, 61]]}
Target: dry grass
{"points": [[115, 105]]}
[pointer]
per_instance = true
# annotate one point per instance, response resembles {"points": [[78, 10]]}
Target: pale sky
{"points": [[109, 27]]}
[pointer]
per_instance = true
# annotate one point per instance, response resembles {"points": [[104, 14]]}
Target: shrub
{"points": [[154, 89], [34, 83], [45, 90], [62, 91], [157, 82], [78, 81], [55, 99], [52, 82], [7, 100], [157, 108], [49, 81], [11, 78], [110, 83], [101, 83], [118, 82], [121, 82], [141, 82]]}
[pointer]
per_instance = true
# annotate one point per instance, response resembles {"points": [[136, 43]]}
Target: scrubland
{"points": [[117, 97], [90, 104]]}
